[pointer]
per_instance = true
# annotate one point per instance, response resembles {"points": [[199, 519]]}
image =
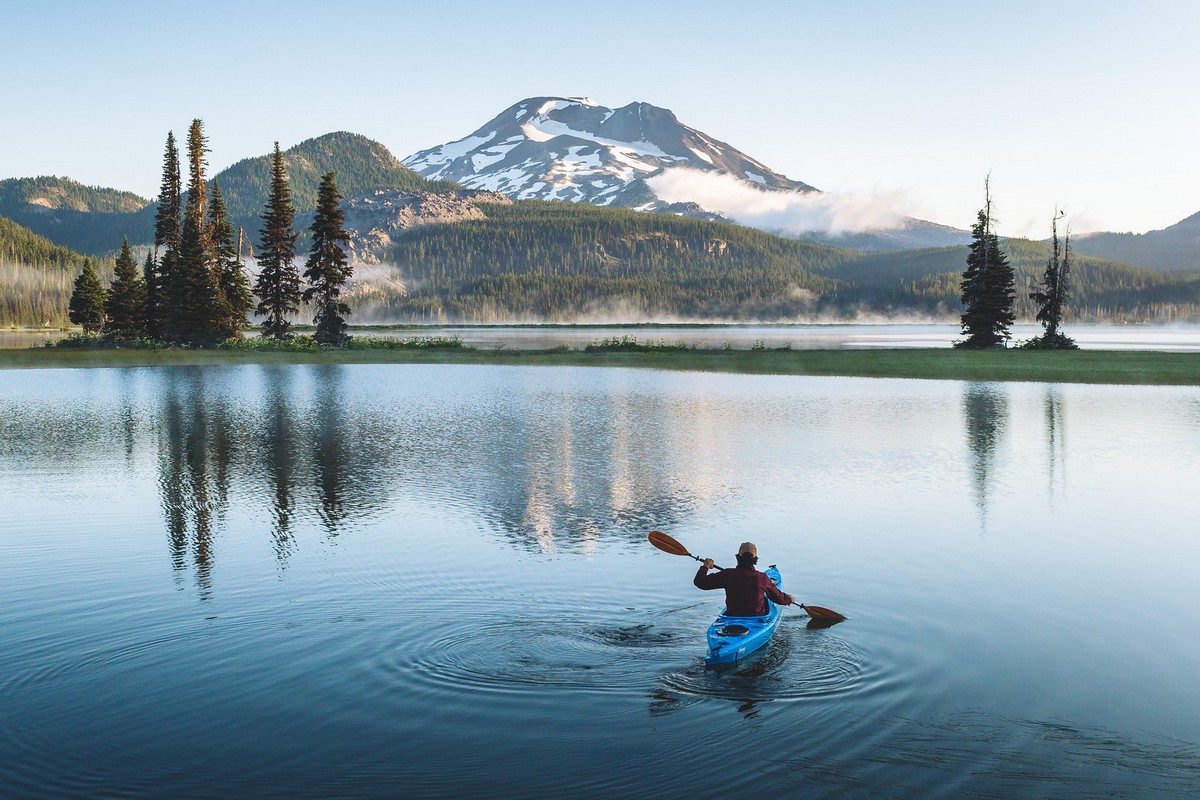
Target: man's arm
{"points": [[705, 581], [772, 591]]}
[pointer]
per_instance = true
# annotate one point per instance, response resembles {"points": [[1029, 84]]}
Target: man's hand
{"points": [[788, 599], [708, 563]]}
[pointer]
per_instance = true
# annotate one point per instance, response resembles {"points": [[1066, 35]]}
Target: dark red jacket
{"points": [[746, 590]]}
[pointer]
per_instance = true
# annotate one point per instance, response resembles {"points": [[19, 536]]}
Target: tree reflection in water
{"points": [[186, 449], [985, 412], [278, 446], [1055, 437], [316, 448], [330, 453]]}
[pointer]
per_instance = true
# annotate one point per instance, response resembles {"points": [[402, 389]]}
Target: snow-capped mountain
{"points": [[570, 148]]}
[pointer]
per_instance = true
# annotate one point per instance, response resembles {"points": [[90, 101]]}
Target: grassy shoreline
{"points": [[1077, 366]]}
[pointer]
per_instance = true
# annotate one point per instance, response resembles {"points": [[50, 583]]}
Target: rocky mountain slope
{"points": [[377, 220]]}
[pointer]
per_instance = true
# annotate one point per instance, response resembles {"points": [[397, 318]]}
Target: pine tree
{"points": [[327, 269], [150, 295], [126, 303], [278, 285], [233, 287], [168, 295], [167, 235], [195, 309], [1051, 295], [87, 300], [197, 195], [987, 287], [170, 200]]}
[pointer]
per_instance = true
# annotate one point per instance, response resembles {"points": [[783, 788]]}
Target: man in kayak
{"points": [[746, 589]]}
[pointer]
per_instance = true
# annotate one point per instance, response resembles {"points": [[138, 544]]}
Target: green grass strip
{"points": [[1076, 366]]}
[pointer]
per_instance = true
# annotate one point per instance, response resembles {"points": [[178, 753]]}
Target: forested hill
{"points": [[93, 220], [1173, 248], [574, 262], [35, 277], [54, 193], [927, 282], [19, 245], [361, 165], [88, 219], [563, 261]]}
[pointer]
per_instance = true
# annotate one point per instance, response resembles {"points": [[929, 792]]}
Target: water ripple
{"points": [[799, 664], [524, 654]]}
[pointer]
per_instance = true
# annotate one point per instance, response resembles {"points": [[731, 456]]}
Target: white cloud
{"points": [[790, 212]]}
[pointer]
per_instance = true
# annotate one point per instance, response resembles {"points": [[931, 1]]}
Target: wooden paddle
{"points": [[669, 545]]}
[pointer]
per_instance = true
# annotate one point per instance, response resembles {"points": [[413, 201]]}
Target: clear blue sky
{"points": [[1088, 105]]}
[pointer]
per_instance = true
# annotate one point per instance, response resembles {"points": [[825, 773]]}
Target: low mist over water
{"points": [[815, 336], [314, 581]]}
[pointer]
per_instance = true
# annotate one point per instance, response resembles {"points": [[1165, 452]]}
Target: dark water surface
{"points": [[381, 581]]}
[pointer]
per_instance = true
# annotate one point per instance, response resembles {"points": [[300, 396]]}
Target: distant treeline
{"points": [[559, 260], [562, 261]]}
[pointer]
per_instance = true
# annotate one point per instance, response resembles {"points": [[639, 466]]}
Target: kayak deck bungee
{"points": [[732, 639]]}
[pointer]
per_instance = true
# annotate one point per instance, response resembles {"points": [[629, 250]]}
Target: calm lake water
{"points": [[433, 581]]}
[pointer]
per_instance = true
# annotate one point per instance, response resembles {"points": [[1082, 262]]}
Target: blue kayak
{"points": [[732, 639]]}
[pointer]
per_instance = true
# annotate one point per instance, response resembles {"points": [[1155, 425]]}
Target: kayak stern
{"points": [[732, 639]]}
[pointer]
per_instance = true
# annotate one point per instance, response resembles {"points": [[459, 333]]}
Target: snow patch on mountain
{"points": [[449, 152], [571, 148]]}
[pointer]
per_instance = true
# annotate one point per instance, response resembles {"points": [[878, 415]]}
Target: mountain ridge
{"points": [[92, 220], [571, 148], [1173, 248]]}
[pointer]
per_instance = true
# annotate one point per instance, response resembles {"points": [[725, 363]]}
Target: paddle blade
{"points": [[823, 614], [667, 544]]}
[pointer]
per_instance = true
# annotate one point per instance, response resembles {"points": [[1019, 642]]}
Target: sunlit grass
{"points": [[1077, 366]]}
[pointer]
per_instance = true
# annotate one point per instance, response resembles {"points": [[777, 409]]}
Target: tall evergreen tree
{"points": [[170, 200], [167, 234], [169, 292], [195, 308], [233, 287], [328, 268], [278, 284], [197, 192], [1051, 295], [87, 300], [987, 287], [126, 303], [150, 295]]}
